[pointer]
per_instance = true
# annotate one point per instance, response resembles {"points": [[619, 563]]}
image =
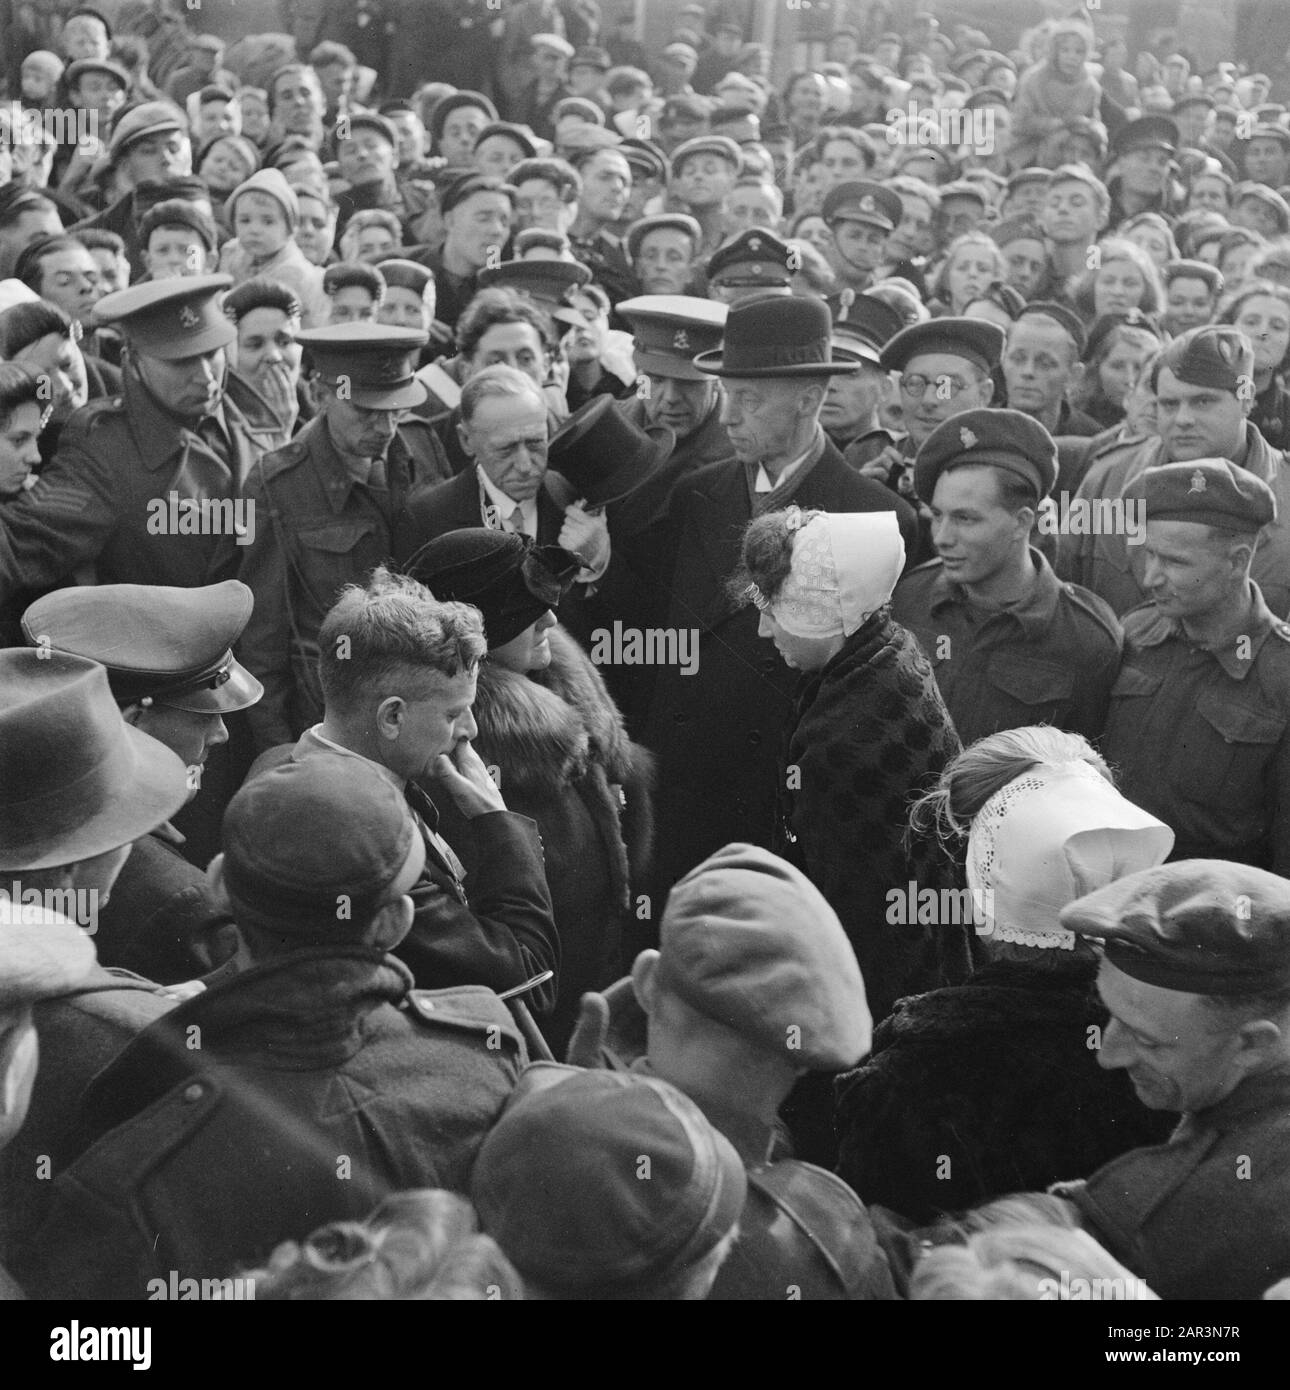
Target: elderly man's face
{"points": [[1179, 1054], [763, 416], [507, 438]]}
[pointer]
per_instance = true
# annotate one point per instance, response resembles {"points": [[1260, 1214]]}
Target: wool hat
{"points": [[748, 940], [455, 102], [313, 847], [595, 1181], [505, 575], [1051, 835], [273, 184], [1200, 926]]}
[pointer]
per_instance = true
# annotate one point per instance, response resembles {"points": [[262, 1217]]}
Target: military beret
{"points": [[169, 319], [555, 42], [1214, 355], [1194, 270], [720, 145], [137, 123], [1210, 492], [1032, 173], [406, 275], [1068, 319], [749, 941], [1202, 926], [858, 200], [376, 360], [1270, 199], [677, 221], [1015, 229], [558, 1181], [974, 340], [1004, 439], [1146, 133], [314, 847], [100, 65], [755, 257], [162, 645], [670, 330], [42, 955]]}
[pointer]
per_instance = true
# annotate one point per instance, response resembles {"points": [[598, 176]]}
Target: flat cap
{"points": [[558, 1182], [1195, 270], [1032, 173], [964, 188], [986, 96], [1269, 197], [858, 200], [406, 275], [755, 257], [373, 120], [520, 134], [975, 340], [466, 185], [377, 361], [316, 846], [720, 145], [148, 118], [645, 157], [670, 330], [676, 221], [168, 646], [1214, 355], [591, 56], [1271, 131], [1200, 926], [103, 66], [1211, 492], [1012, 229], [682, 54], [170, 319], [557, 43], [1004, 439], [1146, 133], [749, 941]]}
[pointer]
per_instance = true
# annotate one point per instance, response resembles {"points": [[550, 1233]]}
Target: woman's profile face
{"points": [[801, 653]]}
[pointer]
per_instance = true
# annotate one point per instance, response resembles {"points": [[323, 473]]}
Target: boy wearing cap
{"points": [[1009, 643], [1041, 368], [171, 439], [264, 213], [751, 954], [1198, 718], [1196, 978], [703, 174], [204, 1159], [1204, 388]]}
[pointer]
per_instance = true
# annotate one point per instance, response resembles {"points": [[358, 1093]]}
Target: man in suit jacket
{"points": [[715, 720], [507, 487]]}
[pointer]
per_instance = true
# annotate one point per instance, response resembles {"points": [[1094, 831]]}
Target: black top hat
{"points": [[775, 335], [604, 455]]}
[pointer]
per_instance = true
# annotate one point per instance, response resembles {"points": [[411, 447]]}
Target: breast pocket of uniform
{"points": [[1040, 691], [1224, 748], [337, 554]]}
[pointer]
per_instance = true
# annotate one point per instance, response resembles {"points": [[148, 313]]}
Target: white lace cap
{"points": [[1055, 833], [845, 565]]}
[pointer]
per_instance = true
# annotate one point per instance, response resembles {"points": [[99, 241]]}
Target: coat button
{"points": [[192, 1093], [679, 718], [754, 738], [769, 665]]}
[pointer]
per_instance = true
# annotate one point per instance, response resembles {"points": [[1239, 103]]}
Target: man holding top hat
{"points": [[146, 486], [327, 509], [716, 731]]}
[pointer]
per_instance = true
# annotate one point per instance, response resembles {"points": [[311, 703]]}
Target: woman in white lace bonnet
{"points": [[1000, 1075]]}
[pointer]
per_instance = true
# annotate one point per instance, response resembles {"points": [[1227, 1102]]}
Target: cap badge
{"points": [[754, 244], [189, 317], [867, 203], [1197, 482], [681, 340], [968, 438], [389, 368]]}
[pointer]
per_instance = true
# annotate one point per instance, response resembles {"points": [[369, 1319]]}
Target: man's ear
{"points": [[463, 435], [389, 717], [391, 924], [643, 982]]}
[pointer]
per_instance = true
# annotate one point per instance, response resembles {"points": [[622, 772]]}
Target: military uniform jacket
{"points": [[316, 531], [1113, 569], [717, 731], [321, 1082], [1203, 1216], [1051, 659], [91, 505], [1200, 737]]}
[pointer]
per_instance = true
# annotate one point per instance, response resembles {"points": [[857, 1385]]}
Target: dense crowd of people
{"points": [[620, 681]]}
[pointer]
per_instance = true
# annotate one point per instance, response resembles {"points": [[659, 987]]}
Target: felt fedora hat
{"points": [[77, 780], [776, 335], [603, 455]]}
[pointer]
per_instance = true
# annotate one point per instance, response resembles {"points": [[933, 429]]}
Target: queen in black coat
{"points": [[993, 1086]]}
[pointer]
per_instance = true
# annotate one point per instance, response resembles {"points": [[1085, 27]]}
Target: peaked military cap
{"points": [[754, 257], [170, 319], [858, 200], [671, 329], [161, 645], [1146, 133], [376, 362]]}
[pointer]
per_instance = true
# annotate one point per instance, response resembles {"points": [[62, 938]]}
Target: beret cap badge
{"points": [[1197, 482], [968, 438]]}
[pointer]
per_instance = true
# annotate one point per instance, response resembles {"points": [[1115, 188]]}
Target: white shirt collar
{"points": [[763, 482], [496, 500]]}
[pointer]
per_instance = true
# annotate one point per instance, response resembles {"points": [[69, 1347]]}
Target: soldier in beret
{"points": [[1196, 977], [145, 486], [1010, 643], [1204, 383], [254, 1118], [1198, 716], [327, 505], [860, 216], [750, 953]]}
